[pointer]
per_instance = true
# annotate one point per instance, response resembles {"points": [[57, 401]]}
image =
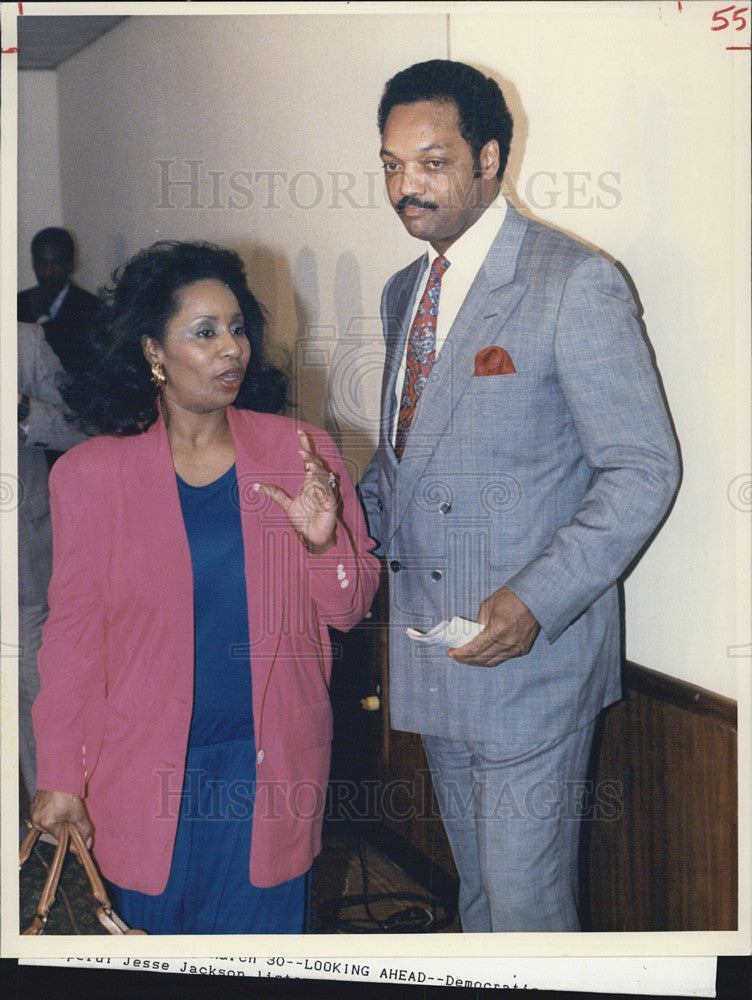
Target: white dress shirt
{"points": [[465, 257]]}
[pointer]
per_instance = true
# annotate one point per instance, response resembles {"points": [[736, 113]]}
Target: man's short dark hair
{"points": [[482, 109], [60, 239]]}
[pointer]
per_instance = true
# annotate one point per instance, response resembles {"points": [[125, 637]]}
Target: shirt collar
{"points": [[59, 299], [470, 250]]}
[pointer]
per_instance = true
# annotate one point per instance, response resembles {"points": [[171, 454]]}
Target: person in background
{"points": [[56, 303], [201, 552], [42, 423], [525, 459]]}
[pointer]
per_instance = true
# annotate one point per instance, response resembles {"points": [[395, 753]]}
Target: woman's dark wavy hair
{"points": [[114, 393], [482, 109]]}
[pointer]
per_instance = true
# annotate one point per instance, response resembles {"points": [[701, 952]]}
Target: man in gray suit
{"points": [[517, 476], [41, 424]]}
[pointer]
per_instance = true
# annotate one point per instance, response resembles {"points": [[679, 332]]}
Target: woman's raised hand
{"points": [[313, 512]]}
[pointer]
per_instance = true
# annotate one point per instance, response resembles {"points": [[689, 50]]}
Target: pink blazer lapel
{"points": [[163, 536]]}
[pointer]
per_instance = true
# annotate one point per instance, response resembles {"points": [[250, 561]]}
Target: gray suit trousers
{"points": [[513, 822]]}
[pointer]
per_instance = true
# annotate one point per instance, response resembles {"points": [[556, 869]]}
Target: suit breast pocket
{"points": [[516, 398], [511, 423]]}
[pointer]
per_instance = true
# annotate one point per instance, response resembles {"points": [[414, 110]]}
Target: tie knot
{"points": [[439, 266]]}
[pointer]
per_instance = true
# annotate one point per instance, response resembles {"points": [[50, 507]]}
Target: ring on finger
{"points": [[332, 481]]}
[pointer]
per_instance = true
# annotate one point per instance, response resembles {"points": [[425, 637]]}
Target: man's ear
{"points": [[488, 158]]}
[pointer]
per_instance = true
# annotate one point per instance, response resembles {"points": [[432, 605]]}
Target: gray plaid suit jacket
{"points": [[550, 481]]}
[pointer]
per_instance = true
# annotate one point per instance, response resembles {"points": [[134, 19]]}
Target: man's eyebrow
{"points": [[434, 147]]}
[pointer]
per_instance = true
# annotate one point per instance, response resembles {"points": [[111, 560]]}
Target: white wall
{"points": [[631, 132], [649, 94], [39, 203], [236, 100]]}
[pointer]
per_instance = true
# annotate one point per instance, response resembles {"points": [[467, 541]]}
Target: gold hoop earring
{"points": [[158, 376]]}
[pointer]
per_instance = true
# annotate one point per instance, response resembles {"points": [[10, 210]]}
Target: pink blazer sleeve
{"points": [[344, 580], [69, 708]]}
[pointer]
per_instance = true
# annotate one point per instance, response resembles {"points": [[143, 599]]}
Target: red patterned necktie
{"points": [[421, 351]]}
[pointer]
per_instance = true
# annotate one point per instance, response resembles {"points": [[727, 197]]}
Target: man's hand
{"points": [[510, 631], [50, 809]]}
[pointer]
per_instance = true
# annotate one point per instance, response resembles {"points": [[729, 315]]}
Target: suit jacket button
{"points": [[379, 504], [436, 575], [445, 507], [395, 566]]}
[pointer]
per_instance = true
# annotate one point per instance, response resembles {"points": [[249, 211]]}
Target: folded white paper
{"points": [[447, 634]]}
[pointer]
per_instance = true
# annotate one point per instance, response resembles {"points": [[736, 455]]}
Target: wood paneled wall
{"points": [[668, 860], [659, 844]]}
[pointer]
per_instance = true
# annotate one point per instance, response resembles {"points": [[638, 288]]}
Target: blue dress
{"points": [[208, 891]]}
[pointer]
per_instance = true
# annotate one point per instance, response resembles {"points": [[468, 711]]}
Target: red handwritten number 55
{"points": [[723, 22]]}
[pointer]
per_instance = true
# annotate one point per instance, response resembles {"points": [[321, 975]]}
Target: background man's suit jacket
{"points": [[549, 480], [66, 332]]}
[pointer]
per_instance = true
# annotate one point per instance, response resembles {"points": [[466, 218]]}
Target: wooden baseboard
{"points": [[662, 854], [668, 860]]}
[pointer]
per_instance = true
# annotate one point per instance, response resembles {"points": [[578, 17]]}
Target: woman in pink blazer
{"points": [[201, 550]]}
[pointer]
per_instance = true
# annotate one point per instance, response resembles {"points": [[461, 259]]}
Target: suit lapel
{"points": [[491, 299], [397, 322], [398, 326]]}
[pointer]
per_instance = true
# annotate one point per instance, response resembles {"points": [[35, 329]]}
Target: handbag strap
{"points": [[95, 880], [69, 835], [28, 843], [49, 891]]}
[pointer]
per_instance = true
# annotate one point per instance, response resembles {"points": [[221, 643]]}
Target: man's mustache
{"points": [[408, 200]]}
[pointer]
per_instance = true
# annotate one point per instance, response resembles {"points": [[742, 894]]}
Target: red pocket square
{"points": [[493, 361]]}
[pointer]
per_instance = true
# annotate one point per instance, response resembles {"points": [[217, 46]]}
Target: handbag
{"points": [[39, 866]]}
